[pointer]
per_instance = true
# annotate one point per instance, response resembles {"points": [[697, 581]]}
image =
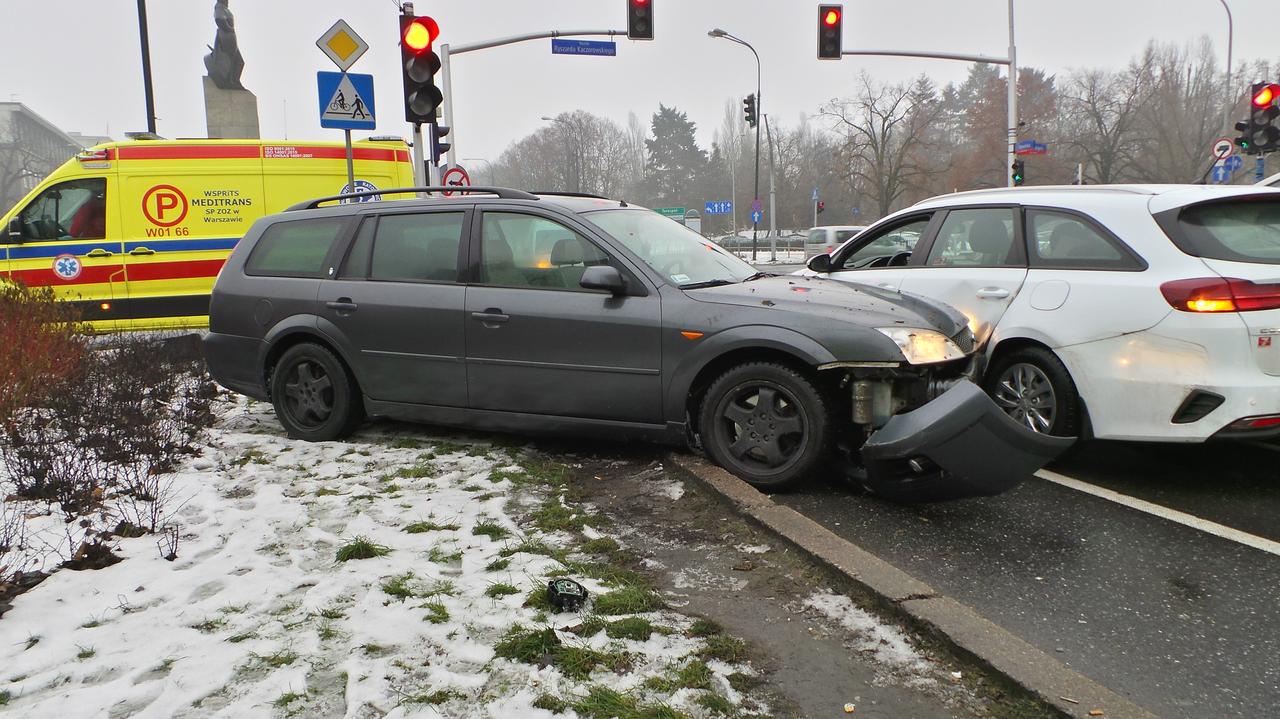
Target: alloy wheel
{"points": [[308, 392], [763, 426], [1026, 394]]}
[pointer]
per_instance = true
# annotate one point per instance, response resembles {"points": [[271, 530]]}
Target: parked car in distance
{"points": [[1136, 312], [500, 309], [826, 239]]}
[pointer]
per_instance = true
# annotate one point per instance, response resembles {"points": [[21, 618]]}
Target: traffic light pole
{"points": [[419, 159], [447, 51], [1011, 62]]}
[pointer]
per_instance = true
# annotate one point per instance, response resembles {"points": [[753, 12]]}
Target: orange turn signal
{"points": [[691, 335]]}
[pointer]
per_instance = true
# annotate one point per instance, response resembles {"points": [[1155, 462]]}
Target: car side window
{"points": [[980, 237], [1058, 240], [76, 209], [296, 248], [877, 250], [518, 250], [417, 247], [356, 266]]}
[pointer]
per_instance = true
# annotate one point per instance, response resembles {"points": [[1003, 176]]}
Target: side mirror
{"points": [[820, 263], [603, 277], [14, 231]]}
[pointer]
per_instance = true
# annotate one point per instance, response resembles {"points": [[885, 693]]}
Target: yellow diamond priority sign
{"points": [[342, 45]]}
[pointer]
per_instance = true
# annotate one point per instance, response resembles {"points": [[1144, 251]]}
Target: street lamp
{"points": [[493, 179], [568, 144], [755, 228], [1230, 36]]}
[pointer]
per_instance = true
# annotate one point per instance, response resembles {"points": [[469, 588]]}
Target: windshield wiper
{"points": [[760, 275], [707, 283]]}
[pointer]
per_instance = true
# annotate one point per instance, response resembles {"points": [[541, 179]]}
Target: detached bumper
{"points": [[958, 445]]}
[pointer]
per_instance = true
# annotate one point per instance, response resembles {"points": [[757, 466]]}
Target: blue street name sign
{"points": [[346, 101], [604, 48], [757, 217], [719, 207]]}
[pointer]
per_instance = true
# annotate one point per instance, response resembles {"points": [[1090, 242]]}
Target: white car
{"points": [[1137, 312], [827, 238]]}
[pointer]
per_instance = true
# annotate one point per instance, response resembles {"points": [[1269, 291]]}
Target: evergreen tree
{"points": [[676, 165]]}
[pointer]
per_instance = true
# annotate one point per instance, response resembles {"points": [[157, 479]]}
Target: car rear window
{"points": [[295, 249], [1238, 230]]}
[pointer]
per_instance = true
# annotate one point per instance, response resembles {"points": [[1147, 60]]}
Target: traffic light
{"points": [[822, 206], [420, 65], [1019, 176], [1264, 135], [438, 145], [749, 109], [830, 31], [640, 19]]}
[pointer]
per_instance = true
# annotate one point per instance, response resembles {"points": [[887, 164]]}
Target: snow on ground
{"points": [[257, 617], [870, 635]]}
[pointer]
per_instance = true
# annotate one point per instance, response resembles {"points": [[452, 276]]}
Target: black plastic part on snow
{"points": [[566, 594]]}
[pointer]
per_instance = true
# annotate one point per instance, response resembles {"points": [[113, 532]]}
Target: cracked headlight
{"points": [[923, 346]]}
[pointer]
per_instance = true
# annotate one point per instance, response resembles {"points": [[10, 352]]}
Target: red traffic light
{"points": [[831, 18], [419, 33], [1266, 96]]}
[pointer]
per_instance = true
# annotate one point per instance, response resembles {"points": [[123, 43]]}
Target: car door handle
{"points": [[142, 251], [344, 305], [491, 316], [992, 293], [99, 252]]}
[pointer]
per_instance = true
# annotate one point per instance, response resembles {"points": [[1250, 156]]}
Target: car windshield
{"points": [[674, 251]]}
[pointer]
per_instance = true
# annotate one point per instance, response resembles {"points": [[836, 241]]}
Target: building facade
{"points": [[30, 148]]}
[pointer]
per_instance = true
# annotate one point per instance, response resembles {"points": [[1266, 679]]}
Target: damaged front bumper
{"points": [[958, 445]]}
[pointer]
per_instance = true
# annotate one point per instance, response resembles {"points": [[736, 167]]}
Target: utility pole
{"points": [[773, 197], [146, 66]]}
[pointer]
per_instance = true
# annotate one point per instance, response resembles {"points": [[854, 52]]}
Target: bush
{"points": [[39, 345]]}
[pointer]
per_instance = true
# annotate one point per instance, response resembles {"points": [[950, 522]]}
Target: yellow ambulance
{"points": [[135, 232]]}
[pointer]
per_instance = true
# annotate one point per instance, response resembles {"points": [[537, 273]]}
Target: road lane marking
{"points": [[1172, 515]]}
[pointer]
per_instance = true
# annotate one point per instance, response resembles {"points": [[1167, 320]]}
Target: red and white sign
{"points": [[1223, 147], [455, 177], [164, 205]]}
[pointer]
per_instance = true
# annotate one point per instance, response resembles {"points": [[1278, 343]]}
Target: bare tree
{"points": [[884, 133]]}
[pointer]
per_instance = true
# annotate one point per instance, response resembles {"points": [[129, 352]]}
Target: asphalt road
{"points": [[1184, 622]]}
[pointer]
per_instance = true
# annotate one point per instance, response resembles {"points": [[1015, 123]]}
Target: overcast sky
{"points": [[77, 62]]}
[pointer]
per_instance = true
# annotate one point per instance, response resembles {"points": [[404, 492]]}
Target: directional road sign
{"points": [[342, 45], [757, 217], [815, 195], [673, 212], [756, 205], [346, 101], [603, 48], [1233, 163], [719, 207], [1221, 173]]}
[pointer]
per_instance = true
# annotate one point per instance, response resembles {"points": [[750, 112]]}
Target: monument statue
{"points": [[224, 62]]}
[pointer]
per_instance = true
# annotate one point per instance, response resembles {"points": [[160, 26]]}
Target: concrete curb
{"points": [[1002, 651]]}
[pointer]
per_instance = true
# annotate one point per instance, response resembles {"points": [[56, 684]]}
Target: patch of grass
{"points": [[373, 649], [427, 525], [602, 545], [437, 697], [234, 609], [85, 652], [636, 628], [286, 699], [444, 446], [326, 492], [391, 488], [497, 565], [604, 703], [532, 547], [417, 471], [326, 631], [5, 696], [436, 612], [527, 645], [694, 675], [405, 443], [551, 703], [612, 574], [472, 488], [579, 662], [438, 588], [282, 658], [499, 590], [479, 450], [502, 475], [553, 516], [361, 548], [704, 628], [491, 529], [743, 683], [592, 625], [243, 637], [332, 612], [256, 456], [398, 586], [91, 624], [32, 640], [439, 556], [538, 599], [716, 704], [725, 648], [660, 684], [209, 626], [628, 600]]}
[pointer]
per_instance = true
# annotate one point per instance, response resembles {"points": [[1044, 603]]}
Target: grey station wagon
{"points": [[499, 309]]}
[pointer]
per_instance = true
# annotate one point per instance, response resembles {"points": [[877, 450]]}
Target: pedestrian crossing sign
{"points": [[346, 101]]}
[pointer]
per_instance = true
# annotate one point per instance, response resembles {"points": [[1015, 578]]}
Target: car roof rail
{"points": [[559, 193], [505, 193]]}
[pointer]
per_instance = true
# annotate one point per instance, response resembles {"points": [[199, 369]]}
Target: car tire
{"points": [[772, 447], [315, 397], [1034, 388]]}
